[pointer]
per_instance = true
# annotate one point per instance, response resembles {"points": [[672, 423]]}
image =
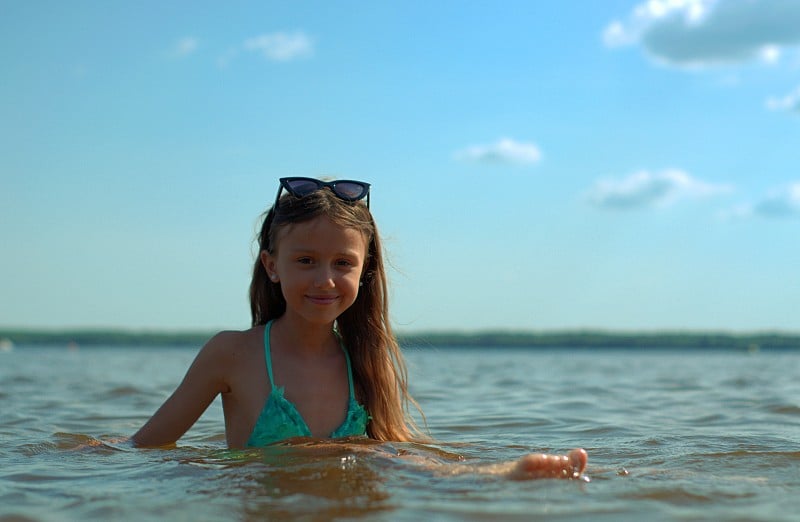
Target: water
{"points": [[671, 436]]}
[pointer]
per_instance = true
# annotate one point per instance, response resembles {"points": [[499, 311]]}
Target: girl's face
{"points": [[318, 265]]}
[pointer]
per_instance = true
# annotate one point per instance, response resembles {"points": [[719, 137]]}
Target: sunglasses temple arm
{"points": [[277, 198]]}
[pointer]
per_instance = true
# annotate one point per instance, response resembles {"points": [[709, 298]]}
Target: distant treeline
{"points": [[561, 339], [104, 338], [608, 340]]}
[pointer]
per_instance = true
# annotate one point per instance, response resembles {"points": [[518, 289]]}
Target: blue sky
{"points": [[535, 165]]}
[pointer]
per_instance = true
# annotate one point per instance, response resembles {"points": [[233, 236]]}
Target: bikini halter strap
{"points": [[268, 357]]}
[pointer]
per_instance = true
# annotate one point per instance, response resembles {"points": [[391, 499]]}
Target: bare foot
{"points": [[539, 465]]}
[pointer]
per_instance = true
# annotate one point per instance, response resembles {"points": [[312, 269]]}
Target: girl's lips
{"points": [[322, 299]]}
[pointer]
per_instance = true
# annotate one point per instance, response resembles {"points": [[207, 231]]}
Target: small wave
{"points": [[784, 409], [507, 382], [777, 455], [68, 442], [14, 517], [36, 448], [122, 391], [681, 496], [16, 380], [742, 382], [709, 419]]}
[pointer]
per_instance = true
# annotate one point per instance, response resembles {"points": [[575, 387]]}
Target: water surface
{"points": [[675, 435]]}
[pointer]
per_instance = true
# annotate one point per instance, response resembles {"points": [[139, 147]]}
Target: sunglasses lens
{"points": [[350, 191], [302, 187]]}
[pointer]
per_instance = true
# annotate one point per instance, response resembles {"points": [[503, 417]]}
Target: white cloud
{"points": [[281, 47], [770, 54], [790, 102], [779, 203], [698, 33], [617, 35], [184, 47], [226, 58], [504, 151], [647, 189]]}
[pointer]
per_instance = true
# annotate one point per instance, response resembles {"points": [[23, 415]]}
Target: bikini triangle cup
{"points": [[279, 418]]}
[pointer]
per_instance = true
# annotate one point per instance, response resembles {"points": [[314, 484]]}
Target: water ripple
{"points": [[679, 436]]}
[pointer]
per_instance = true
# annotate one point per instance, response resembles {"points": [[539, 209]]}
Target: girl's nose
{"points": [[324, 278]]}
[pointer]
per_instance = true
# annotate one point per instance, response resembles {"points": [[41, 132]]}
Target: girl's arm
{"points": [[531, 466], [205, 379], [445, 464]]}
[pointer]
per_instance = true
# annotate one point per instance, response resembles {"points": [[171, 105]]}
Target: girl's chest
{"points": [[320, 394]]}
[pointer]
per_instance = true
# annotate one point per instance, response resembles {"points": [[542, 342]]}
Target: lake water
{"points": [[676, 435]]}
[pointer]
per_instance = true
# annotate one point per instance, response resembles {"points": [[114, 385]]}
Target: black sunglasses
{"points": [[345, 189]]}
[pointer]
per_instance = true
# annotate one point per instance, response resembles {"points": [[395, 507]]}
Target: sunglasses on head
{"points": [[345, 189]]}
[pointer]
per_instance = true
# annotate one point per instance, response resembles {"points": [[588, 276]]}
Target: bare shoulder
{"points": [[232, 346]]}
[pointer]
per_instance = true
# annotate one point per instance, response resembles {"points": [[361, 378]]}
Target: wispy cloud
{"points": [[780, 203], [504, 151], [281, 47], [699, 33], [648, 189], [184, 47], [790, 102]]}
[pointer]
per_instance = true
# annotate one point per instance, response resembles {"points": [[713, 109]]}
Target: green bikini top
{"points": [[279, 419]]}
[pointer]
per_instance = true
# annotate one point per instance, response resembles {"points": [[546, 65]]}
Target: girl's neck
{"points": [[303, 337]]}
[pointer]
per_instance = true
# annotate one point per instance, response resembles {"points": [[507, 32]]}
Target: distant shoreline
{"points": [[545, 339]]}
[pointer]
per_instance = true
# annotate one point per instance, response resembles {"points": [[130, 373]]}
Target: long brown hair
{"points": [[379, 372]]}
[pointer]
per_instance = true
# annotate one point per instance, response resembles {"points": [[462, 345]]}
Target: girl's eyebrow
{"points": [[307, 250]]}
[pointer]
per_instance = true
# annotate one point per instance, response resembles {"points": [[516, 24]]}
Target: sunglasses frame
{"points": [[285, 184]]}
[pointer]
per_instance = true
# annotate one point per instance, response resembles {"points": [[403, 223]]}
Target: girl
{"points": [[320, 359]]}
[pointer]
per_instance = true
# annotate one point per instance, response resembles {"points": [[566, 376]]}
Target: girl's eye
{"points": [[344, 262], [304, 260]]}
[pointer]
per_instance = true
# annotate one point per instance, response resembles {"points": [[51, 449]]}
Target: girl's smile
{"points": [[322, 299]]}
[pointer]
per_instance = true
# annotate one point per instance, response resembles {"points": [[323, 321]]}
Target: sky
{"points": [[535, 165]]}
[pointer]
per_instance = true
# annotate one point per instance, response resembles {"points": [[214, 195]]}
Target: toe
{"points": [[578, 459]]}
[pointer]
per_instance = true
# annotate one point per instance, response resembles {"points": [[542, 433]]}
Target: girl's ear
{"points": [[268, 262]]}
